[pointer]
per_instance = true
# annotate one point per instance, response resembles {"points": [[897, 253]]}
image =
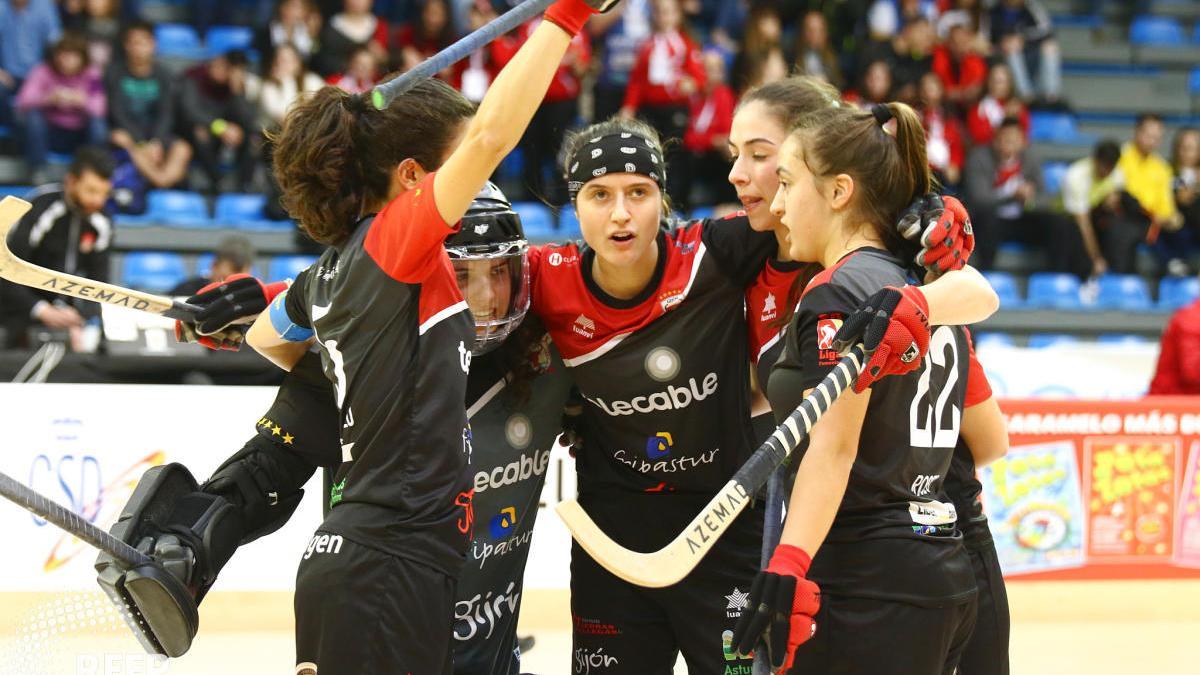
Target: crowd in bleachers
{"points": [[183, 93]]}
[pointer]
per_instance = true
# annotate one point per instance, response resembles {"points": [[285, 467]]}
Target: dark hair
{"points": [[71, 42], [446, 35], [336, 152], [1010, 122], [235, 250], [1107, 152], [94, 159], [1147, 117], [136, 26], [1176, 142], [614, 125], [236, 58], [889, 171], [791, 99]]}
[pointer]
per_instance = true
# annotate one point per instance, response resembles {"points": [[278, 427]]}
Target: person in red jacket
{"points": [[707, 137], [962, 71], [555, 117], [999, 102], [667, 73], [1178, 371], [943, 132]]}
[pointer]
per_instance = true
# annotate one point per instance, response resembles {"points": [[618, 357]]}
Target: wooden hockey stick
{"points": [[26, 273], [674, 561]]}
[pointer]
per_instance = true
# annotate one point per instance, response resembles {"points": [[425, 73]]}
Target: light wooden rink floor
{"points": [[1059, 628]]}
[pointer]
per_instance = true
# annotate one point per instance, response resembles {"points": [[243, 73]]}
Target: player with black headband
{"points": [[890, 582], [515, 396]]}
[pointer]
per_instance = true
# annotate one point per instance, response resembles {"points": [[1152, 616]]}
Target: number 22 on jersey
{"points": [[927, 417]]}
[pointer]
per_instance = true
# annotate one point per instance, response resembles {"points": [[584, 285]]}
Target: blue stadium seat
{"points": [[224, 39], [1125, 292], [1050, 290], [1005, 286], [993, 340], [155, 271], [204, 263], [178, 40], [1055, 127], [1052, 176], [1194, 81], [5, 131], [178, 208], [14, 191], [288, 266], [537, 220], [1157, 31], [1121, 339], [1175, 292], [245, 212], [1044, 340], [512, 167], [568, 224]]}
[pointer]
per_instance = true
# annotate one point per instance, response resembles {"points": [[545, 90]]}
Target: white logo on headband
{"points": [[596, 153], [595, 140], [574, 167], [600, 172], [626, 135], [630, 168], [654, 158], [629, 151]]}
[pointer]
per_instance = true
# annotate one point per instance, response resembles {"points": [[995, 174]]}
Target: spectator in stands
{"points": [[286, 80], [1178, 370], [1148, 178], [66, 230], [619, 36], [887, 18], [944, 147], [1185, 164], [910, 55], [962, 71], [27, 29], [1110, 221], [667, 73], [100, 22], [347, 32], [361, 74], [296, 23], [431, 33], [761, 49], [997, 104], [707, 138], [1000, 184], [556, 115], [141, 110], [730, 25], [876, 85], [220, 121], [61, 105], [481, 67], [814, 55], [234, 255], [969, 13], [1023, 32]]}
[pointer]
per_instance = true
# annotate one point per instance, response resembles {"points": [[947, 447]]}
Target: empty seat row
{"points": [[1048, 340], [1161, 31], [160, 271], [180, 40], [1121, 292], [180, 208]]}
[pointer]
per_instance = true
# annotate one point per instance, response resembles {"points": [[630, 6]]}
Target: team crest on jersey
{"points": [[685, 247], [827, 327], [769, 311], [662, 364], [585, 327], [518, 431], [669, 299]]}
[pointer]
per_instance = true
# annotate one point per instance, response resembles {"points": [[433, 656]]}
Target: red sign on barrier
{"points": [[1098, 489]]}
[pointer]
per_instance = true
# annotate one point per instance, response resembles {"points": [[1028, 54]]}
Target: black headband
{"points": [[622, 152], [882, 113]]}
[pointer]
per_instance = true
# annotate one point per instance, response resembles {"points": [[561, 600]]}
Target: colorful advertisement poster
{"points": [[1187, 538], [1131, 498], [1035, 508]]}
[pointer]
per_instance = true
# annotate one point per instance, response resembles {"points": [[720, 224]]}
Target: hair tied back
{"points": [[882, 113]]}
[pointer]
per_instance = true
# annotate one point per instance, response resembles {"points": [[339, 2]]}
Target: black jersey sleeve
{"points": [[296, 299], [740, 252], [808, 353]]}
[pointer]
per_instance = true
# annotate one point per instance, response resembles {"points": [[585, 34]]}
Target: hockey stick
{"points": [[387, 92], [674, 561], [772, 531], [26, 273]]}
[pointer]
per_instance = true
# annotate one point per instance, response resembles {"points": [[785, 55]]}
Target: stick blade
{"points": [[12, 209], [651, 570]]}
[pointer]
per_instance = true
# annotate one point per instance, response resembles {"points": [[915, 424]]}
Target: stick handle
{"points": [[72, 522], [387, 92]]}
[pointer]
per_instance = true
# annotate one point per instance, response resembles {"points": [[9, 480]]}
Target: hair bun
{"points": [[355, 104]]}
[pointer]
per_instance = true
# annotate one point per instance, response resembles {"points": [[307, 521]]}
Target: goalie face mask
{"points": [[490, 254]]}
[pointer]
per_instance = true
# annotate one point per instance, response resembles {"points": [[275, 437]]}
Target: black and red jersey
{"points": [[766, 312], [962, 484], [665, 374], [894, 510], [395, 337]]}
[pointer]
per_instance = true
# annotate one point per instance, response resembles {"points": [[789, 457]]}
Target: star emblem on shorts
{"points": [[737, 599]]}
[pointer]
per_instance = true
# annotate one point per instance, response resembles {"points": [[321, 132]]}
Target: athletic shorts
{"points": [[359, 610], [622, 628], [866, 636], [987, 651]]}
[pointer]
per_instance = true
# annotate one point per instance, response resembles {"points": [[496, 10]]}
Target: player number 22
{"points": [[926, 417]]}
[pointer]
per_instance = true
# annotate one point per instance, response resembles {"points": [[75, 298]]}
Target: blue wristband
{"points": [[283, 324]]}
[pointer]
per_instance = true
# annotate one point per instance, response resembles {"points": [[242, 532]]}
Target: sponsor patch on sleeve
{"points": [[827, 327]]}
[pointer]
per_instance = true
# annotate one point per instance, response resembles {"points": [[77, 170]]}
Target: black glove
{"points": [[227, 339], [238, 299]]}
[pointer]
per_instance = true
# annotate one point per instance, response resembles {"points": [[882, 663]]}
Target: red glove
{"points": [[943, 228], [783, 605], [570, 15], [893, 326], [227, 339]]}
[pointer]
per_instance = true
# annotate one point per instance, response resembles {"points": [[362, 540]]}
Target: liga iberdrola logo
{"points": [[827, 326]]}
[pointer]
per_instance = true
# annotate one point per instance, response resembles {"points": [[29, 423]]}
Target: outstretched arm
{"points": [[960, 298]]}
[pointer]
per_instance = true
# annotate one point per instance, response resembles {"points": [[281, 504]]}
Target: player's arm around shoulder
{"points": [[960, 298]]}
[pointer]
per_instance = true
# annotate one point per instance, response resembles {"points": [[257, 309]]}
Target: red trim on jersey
{"points": [[766, 301], [978, 387], [581, 325], [406, 238], [825, 275]]}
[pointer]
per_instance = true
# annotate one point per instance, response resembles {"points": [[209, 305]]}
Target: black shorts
{"points": [[866, 636], [359, 610], [987, 651], [622, 628]]}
